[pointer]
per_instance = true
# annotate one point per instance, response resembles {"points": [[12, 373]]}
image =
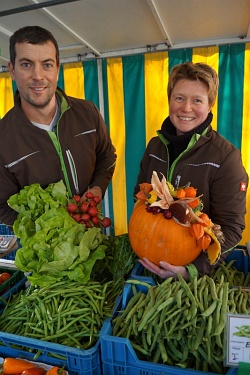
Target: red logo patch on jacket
{"points": [[243, 186]]}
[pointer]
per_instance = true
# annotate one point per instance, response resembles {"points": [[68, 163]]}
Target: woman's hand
{"points": [[165, 270]]}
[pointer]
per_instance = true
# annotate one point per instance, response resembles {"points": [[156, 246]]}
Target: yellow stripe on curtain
{"points": [[245, 143], [118, 136], [73, 76], [210, 56], [6, 93], [156, 100]]}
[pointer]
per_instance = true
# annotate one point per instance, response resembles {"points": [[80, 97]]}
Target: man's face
{"points": [[36, 73]]}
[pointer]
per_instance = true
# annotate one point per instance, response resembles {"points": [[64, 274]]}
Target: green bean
{"points": [[174, 323], [178, 297], [157, 355], [244, 303], [138, 282], [163, 351], [176, 354], [185, 353], [209, 326], [124, 313], [200, 335], [140, 349], [174, 313], [206, 298], [136, 306], [210, 309], [187, 289], [247, 279], [218, 341], [239, 303], [217, 312], [76, 342], [144, 340], [221, 324], [134, 325], [189, 323], [203, 354], [212, 289], [166, 303], [148, 314], [242, 278]]}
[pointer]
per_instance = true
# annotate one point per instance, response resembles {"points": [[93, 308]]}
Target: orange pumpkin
{"points": [[156, 238]]}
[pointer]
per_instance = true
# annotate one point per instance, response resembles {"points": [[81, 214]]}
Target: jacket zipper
{"points": [[57, 146], [55, 140], [192, 142], [73, 170]]}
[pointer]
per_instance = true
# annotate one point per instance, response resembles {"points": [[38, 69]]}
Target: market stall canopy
{"points": [[87, 29]]}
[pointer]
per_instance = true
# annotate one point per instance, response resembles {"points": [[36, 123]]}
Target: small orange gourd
{"points": [[156, 238]]}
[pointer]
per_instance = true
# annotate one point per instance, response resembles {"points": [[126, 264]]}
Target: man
{"points": [[48, 136]]}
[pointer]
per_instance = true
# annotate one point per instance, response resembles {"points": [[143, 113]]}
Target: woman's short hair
{"points": [[195, 71]]}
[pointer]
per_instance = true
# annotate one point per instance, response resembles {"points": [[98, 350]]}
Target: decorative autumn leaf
{"points": [[162, 191], [214, 249]]}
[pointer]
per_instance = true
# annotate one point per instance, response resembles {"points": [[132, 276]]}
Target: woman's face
{"points": [[188, 105]]}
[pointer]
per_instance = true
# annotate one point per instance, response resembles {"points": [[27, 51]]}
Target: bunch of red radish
{"points": [[88, 212]]}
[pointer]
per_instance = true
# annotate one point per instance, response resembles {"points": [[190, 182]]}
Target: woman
{"points": [[188, 150]]}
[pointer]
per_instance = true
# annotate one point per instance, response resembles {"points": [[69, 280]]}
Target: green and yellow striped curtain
{"points": [[134, 97]]}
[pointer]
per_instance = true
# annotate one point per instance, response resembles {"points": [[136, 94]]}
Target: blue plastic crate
{"points": [[119, 357], [14, 284], [248, 254], [240, 255], [137, 273], [10, 256], [75, 361], [5, 230]]}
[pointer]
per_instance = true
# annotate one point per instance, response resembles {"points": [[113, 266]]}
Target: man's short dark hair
{"points": [[32, 35]]}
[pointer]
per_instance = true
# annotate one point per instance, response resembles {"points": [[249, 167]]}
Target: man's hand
{"points": [[95, 190], [165, 270]]}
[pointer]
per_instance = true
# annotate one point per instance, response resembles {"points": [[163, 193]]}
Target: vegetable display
{"points": [[54, 245], [75, 271], [168, 224], [182, 324], [65, 313]]}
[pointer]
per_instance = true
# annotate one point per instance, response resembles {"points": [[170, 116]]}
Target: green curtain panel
{"points": [[134, 104]]}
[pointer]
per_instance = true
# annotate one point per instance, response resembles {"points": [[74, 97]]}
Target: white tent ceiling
{"points": [[87, 29]]}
